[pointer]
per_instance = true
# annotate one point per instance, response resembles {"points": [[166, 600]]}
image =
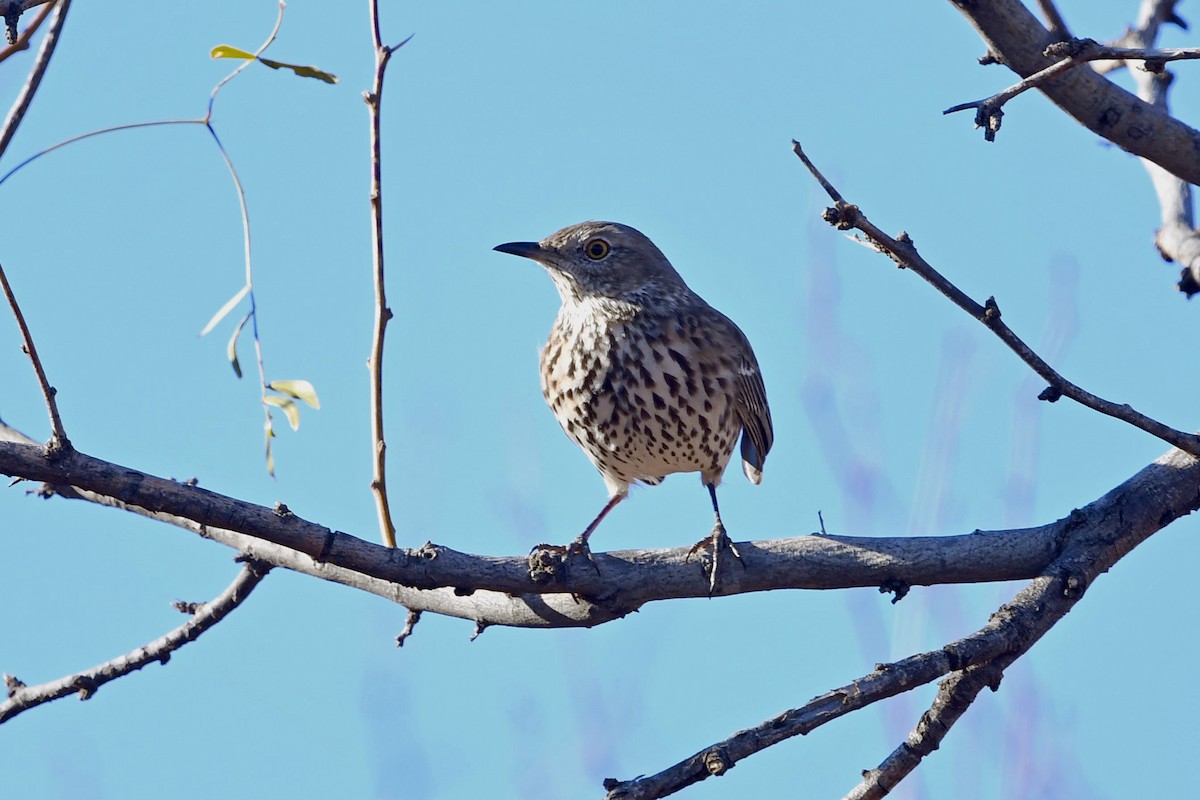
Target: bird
{"points": [[642, 374]]}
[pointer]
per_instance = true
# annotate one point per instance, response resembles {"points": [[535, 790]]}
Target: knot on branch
{"points": [[897, 587], [991, 312], [13, 684], [58, 448], [1188, 284], [85, 686], [12, 14], [1051, 394], [988, 116], [428, 551], [717, 761], [1074, 583], [842, 216], [1070, 48], [184, 607]]}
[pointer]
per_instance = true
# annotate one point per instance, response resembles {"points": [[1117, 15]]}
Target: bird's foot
{"points": [[713, 544], [547, 560]]}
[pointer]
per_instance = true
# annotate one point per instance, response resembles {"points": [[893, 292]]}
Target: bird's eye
{"points": [[596, 249]]}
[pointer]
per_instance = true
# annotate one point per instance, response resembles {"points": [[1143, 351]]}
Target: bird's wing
{"points": [[757, 432]]}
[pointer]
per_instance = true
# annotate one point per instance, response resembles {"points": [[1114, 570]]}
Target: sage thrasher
{"points": [[643, 374]]}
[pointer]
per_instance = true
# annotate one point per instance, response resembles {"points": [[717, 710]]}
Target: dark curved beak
{"points": [[524, 249]]}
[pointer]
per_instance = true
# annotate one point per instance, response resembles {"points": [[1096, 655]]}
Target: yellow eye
{"points": [[596, 249]]}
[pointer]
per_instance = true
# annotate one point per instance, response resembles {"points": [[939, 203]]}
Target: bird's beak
{"points": [[524, 249]]}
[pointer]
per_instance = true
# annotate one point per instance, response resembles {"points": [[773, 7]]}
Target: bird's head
{"points": [[602, 259]]}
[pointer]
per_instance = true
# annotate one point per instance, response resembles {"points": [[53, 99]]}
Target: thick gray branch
{"points": [[500, 591], [1016, 38]]}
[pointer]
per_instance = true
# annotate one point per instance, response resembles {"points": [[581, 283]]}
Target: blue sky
{"points": [[895, 414]]}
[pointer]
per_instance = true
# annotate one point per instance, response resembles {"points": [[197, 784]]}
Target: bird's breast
{"points": [[642, 394]]}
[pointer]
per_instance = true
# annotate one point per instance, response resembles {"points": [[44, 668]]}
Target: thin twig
{"points": [[988, 112], [410, 622], [845, 216], [22, 697], [22, 42], [40, 63], [374, 101], [59, 442], [268, 424]]}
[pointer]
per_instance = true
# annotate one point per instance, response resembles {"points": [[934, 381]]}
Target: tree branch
{"points": [[1074, 53], [1014, 36], [1054, 20], [34, 80], [1100, 535], [494, 590], [58, 436], [22, 697], [1177, 239], [21, 42], [374, 101], [845, 216]]}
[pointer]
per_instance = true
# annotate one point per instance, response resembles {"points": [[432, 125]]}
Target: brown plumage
{"points": [[646, 377]]}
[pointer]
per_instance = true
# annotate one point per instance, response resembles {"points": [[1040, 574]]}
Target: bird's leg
{"points": [[715, 541], [580, 545]]}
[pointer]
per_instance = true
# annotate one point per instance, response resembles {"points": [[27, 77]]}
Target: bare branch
{"points": [[1074, 53], [1054, 20], [500, 590], [34, 80], [954, 697], [845, 216], [1177, 239], [410, 622], [22, 697], [1016, 37], [978, 660], [617, 584], [374, 101], [21, 42], [58, 436], [887, 680]]}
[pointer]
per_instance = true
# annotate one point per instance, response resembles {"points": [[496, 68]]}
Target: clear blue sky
{"points": [[895, 414]]}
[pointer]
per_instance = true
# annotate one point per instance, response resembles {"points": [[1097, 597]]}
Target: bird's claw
{"points": [[546, 560], [713, 544]]}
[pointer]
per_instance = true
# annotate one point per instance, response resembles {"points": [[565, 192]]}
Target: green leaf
{"points": [[231, 348], [302, 71], [225, 309], [301, 390], [287, 406], [225, 51]]}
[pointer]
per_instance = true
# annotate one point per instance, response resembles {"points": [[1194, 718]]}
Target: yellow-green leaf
{"points": [[231, 348], [301, 390], [225, 309], [225, 51], [302, 71], [287, 406], [270, 457]]}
